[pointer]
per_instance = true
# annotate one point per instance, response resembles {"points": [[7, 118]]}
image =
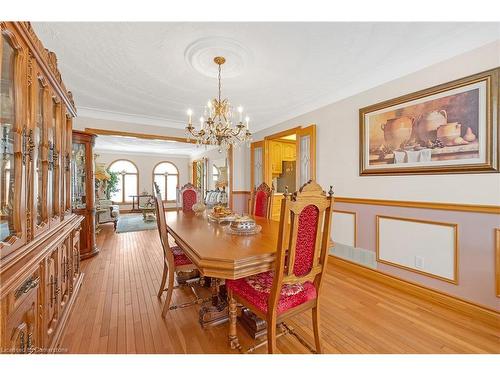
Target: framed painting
{"points": [[450, 128]]}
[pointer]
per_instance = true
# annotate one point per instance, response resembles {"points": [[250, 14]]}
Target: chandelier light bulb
{"points": [[240, 111], [247, 120]]}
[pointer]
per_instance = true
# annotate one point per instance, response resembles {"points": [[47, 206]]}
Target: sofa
{"points": [[215, 197]]}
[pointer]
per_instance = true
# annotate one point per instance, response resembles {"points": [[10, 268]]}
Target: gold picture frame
{"points": [[446, 129]]}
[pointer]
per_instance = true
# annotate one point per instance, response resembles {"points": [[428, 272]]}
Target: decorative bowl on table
{"points": [[243, 226]]}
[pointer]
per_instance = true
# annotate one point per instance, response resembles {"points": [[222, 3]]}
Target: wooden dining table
{"points": [[221, 256]]}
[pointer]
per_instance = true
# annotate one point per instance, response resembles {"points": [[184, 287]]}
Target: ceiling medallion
{"points": [[218, 128], [199, 56]]}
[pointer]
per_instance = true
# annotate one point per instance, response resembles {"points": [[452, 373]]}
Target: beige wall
{"points": [[338, 135], [145, 164]]}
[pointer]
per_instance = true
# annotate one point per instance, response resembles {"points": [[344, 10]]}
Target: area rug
{"points": [[133, 223]]}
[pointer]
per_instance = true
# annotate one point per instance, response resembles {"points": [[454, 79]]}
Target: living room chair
{"points": [[187, 196], [174, 260], [294, 285], [261, 201], [110, 212]]}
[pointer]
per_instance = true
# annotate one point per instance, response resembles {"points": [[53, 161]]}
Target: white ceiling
{"points": [[150, 73], [132, 145]]}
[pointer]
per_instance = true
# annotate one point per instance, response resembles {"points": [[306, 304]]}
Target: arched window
{"points": [[128, 180], [166, 175]]}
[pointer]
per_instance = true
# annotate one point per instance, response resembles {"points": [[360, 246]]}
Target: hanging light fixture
{"points": [[216, 127]]}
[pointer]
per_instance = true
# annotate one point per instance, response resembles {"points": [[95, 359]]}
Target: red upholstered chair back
{"points": [[189, 196], [161, 222], [188, 199], [304, 238], [261, 202]]}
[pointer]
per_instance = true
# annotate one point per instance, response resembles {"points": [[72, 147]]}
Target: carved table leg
{"points": [[214, 312], [233, 336], [215, 286]]}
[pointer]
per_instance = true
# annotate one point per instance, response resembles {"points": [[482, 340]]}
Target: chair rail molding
{"points": [[480, 208]]}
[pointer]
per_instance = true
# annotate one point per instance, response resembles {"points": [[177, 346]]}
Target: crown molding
{"points": [[113, 152], [102, 114]]}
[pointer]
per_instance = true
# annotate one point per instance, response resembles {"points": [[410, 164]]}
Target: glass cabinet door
{"points": [[78, 186], [67, 164], [53, 165], [55, 159], [11, 169], [38, 156]]}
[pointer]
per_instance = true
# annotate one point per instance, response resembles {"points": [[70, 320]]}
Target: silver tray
{"points": [[224, 219]]}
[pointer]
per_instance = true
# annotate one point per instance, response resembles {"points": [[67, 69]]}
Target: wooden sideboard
{"points": [[39, 234]]}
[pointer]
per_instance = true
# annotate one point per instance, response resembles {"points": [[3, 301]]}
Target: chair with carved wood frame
{"points": [[295, 284], [187, 196], [261, 201], [174, 260]]}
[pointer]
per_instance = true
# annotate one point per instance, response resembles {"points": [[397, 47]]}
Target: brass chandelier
{"points": [[216, 127]]}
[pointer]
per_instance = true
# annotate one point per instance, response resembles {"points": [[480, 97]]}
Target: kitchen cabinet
{"points": [[281, 151]]}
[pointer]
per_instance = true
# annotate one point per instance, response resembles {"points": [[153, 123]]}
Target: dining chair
{"points": [[261, 201], [174, 260], [187, 196], [295, 283]]}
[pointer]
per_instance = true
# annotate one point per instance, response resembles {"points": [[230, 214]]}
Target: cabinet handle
{"points": [[50, 157], [67, 161], [55, 156], [27, 145], [29, 284], [21, 341], [30, 341]]}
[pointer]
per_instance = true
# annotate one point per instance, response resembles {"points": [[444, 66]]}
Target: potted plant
{"points": [[112, 184]]}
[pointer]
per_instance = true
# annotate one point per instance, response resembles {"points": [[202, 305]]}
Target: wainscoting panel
{"points": [[344, 227], [475, 239], [425, 247]]}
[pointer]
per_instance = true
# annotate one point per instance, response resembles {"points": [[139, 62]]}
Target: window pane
{"points": [[130, 186], [172, 187], [117, 196], [166, 167], [123, 166], [160, 180]]}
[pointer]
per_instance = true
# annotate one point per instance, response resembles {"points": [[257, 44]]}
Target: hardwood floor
{"points": [[117, 311]]}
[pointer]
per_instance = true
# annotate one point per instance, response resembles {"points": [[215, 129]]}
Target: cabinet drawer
{"points": [[23, 291], [21, 327]]}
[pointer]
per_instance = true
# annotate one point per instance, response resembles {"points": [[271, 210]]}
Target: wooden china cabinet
{"points": [[39, 234], [83, 189]]}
